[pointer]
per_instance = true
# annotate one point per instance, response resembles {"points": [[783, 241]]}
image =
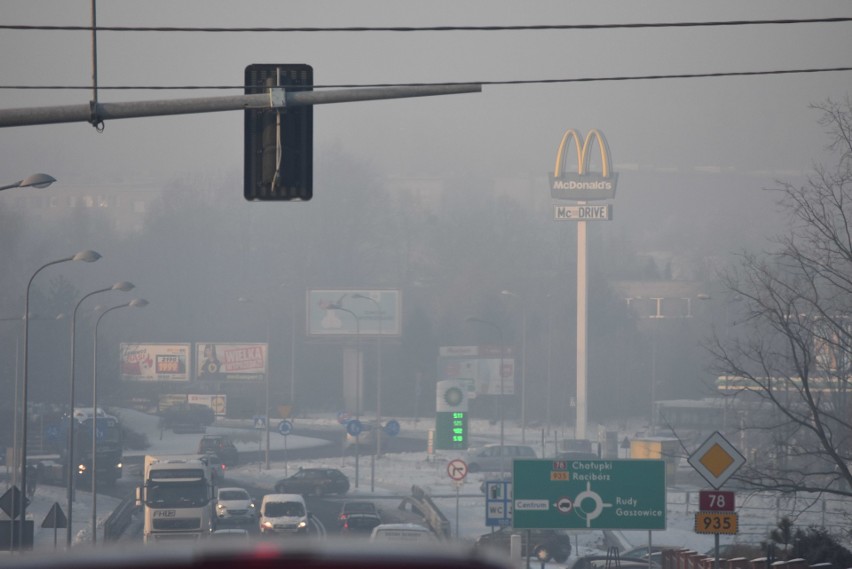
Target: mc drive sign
{"points": [[589, 494]]}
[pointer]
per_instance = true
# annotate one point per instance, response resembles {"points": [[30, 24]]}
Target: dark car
{"points": [[220, 446], [358, 517], [188, 418], [316, 481], [546, 544]]}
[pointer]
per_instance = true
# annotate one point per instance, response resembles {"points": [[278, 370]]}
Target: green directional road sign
{"points": [[589, 494]]}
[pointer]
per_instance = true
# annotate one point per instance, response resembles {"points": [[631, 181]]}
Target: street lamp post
{"points": [[378, 369], [122, 286], [34, 181], [89, 257], [337, 306], [135, 303], [266, 422], [523, 362], [502, 390]]}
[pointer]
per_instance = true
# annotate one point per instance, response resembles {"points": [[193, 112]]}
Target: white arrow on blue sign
{"points": [[354, 427], [392, 428]]}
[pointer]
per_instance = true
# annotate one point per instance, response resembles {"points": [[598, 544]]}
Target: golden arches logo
{"points": [[583, 185]]}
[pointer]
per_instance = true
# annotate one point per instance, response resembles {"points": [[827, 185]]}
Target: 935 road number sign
{"points": [[716, 522]]}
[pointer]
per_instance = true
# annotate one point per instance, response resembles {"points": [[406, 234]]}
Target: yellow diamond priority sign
{"points": [[716, 460]]}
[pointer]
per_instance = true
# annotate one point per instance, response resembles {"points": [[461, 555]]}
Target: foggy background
{"points": [[445, 198]]}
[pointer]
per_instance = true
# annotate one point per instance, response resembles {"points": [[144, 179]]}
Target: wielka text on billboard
{"points": [[583, 184]]}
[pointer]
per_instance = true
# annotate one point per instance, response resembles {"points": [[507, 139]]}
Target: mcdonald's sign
{"points": [[583, 184]]}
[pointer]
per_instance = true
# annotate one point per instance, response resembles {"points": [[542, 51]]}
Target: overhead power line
{"points": [[503, 82], [428, 28]]}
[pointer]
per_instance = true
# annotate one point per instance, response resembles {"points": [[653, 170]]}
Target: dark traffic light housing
{"points": [[278, 142]]}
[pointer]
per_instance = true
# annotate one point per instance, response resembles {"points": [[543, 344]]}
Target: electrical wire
{"points": [[493, 83], [430, 28]]}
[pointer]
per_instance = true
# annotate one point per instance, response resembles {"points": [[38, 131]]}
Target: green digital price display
{"points": [[451, 431]]}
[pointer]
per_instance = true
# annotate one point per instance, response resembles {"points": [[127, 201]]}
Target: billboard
{"points": [[217, 402], [353, 312], [478, 368], [155, 362], [234, 362]]}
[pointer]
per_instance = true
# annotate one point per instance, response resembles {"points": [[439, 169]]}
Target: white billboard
{"points": [[155, 362], [478, 367], [350, 312]]}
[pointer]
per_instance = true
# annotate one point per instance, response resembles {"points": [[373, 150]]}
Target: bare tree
{"points": [[787, 362]]}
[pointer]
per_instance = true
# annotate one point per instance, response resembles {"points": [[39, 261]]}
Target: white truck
{"points": [[178, 498]]}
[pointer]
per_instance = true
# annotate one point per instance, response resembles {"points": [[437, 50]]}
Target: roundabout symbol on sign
{"points": [[285, 427], [457, 469]]}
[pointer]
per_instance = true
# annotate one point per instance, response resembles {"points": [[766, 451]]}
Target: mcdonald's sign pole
{"points": [[582, 186]]}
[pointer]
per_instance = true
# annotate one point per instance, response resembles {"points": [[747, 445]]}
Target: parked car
{"points": [[488, 458], [234, 505], [316, 481], [359, 517], [641, 551], [545, 544], [222, 447], [402, 534], [283, 513]]}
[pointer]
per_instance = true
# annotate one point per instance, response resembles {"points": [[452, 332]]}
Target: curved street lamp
{"points": [[34, 181], [338, 306], [523, 361], [135, 303], [88, 257], [268, 325], [122, 286], [502, 390], [378, 369]]}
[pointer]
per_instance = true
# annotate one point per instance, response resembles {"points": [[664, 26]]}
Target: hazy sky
{"points": [[745, 123]]}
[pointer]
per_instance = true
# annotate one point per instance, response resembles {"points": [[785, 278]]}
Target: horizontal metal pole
{"points": [[376, 93], [136, 109]]}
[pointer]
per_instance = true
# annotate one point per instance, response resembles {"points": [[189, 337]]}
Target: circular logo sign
{"points": [[453, 396]]}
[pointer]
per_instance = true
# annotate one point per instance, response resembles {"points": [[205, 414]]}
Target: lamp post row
{"points": [[40, 180]]}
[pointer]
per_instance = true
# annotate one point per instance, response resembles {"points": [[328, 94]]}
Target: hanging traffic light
{"points": [[278, 141]]}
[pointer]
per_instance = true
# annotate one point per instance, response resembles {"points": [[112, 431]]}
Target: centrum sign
{"points": [[589, 494], [583, 184]]}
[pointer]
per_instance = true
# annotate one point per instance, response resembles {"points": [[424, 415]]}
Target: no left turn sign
{"points": [[457, 469]]}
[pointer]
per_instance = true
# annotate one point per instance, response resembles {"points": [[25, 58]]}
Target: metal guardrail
{"points": [[117, 522]]}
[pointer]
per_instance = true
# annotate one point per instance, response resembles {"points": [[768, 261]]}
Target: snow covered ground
{"points": [[394, 474]]}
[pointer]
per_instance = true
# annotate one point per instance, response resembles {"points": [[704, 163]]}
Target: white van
{"points": [[283, 513]]}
